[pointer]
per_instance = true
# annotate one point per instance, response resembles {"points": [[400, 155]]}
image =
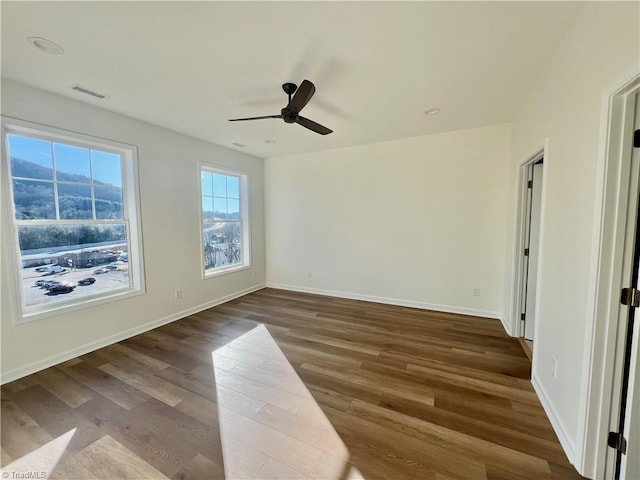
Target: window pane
{"points": [[30, 158], [233, 187], [231, 231], [207, 184], [33, 200], [233, 207], [222, 222], [221, 242], [219, 185], [207, 208], [108, 203], [106, 168], [69, 254], [220, 207], [74, 201], [72, 163]]}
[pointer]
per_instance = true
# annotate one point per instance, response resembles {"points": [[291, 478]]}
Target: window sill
{"points": [[88, 302], [224, 271]]}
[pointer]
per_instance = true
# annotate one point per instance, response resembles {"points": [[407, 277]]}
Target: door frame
{"points": [[520, 237], [530, 278], [602, 322]]}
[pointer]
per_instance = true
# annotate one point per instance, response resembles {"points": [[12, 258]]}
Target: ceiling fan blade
{"points": [[254, 118], [313, 126], [302, 96]]}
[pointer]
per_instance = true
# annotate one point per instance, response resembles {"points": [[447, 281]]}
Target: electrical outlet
{"points": [[475, 291], [178, 294], [554, 367]]}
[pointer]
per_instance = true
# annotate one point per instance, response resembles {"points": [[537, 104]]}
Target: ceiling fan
{"points": [[298, 98]]}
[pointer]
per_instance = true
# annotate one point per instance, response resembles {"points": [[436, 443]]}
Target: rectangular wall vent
{"points": [[93, 93]]}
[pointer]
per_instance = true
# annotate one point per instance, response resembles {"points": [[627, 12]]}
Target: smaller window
{"points": [[224, 220]]}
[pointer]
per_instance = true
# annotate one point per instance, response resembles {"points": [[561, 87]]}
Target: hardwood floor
{"points": [[327, 388]]}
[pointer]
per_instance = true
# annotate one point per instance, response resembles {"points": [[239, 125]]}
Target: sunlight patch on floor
{"points": [[270, 425], [40, 462]]}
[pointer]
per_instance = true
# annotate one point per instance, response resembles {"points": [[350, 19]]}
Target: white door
{"points": [[625, 420], [534, 242], [630, 461]]}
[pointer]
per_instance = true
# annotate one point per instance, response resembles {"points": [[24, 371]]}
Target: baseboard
{"points": [[506, 325], [17, 373], [389, 301], [558, 427]]}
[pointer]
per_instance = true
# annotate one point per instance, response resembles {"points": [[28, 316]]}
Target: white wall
{"points": [[419, 221], [599, 53], [169, 195]]}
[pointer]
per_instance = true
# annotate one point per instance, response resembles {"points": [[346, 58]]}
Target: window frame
{"points": [[245, 225], [131, 218]]}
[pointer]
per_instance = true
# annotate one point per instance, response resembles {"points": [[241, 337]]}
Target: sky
{"points": [[220, 193], [106, 166]]}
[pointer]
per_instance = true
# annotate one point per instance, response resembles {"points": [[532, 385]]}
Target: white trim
{"points": [[245, 221], [606, 262], [514, 323], [505, 325], [555, 420], [70, 137], [390, 301], [225, 271], [541, 244], [81, 303], [128, 154], [20, 372]]}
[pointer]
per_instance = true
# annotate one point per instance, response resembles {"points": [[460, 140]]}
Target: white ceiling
{"points": [[377, 66]]}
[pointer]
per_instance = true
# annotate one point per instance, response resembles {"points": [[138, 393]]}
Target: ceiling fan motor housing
{"points": [[289, 115]]}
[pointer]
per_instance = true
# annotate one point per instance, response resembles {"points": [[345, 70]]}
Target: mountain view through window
{"points": [[70, 218]]}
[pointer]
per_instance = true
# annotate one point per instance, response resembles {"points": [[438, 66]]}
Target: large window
{"points": [[225, 244], [74, 213]]}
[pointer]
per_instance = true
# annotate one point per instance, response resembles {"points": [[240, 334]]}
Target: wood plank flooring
{"points": [[277, 385]]}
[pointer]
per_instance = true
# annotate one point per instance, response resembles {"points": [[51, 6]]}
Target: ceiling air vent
{"points": [[93, 93]]}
